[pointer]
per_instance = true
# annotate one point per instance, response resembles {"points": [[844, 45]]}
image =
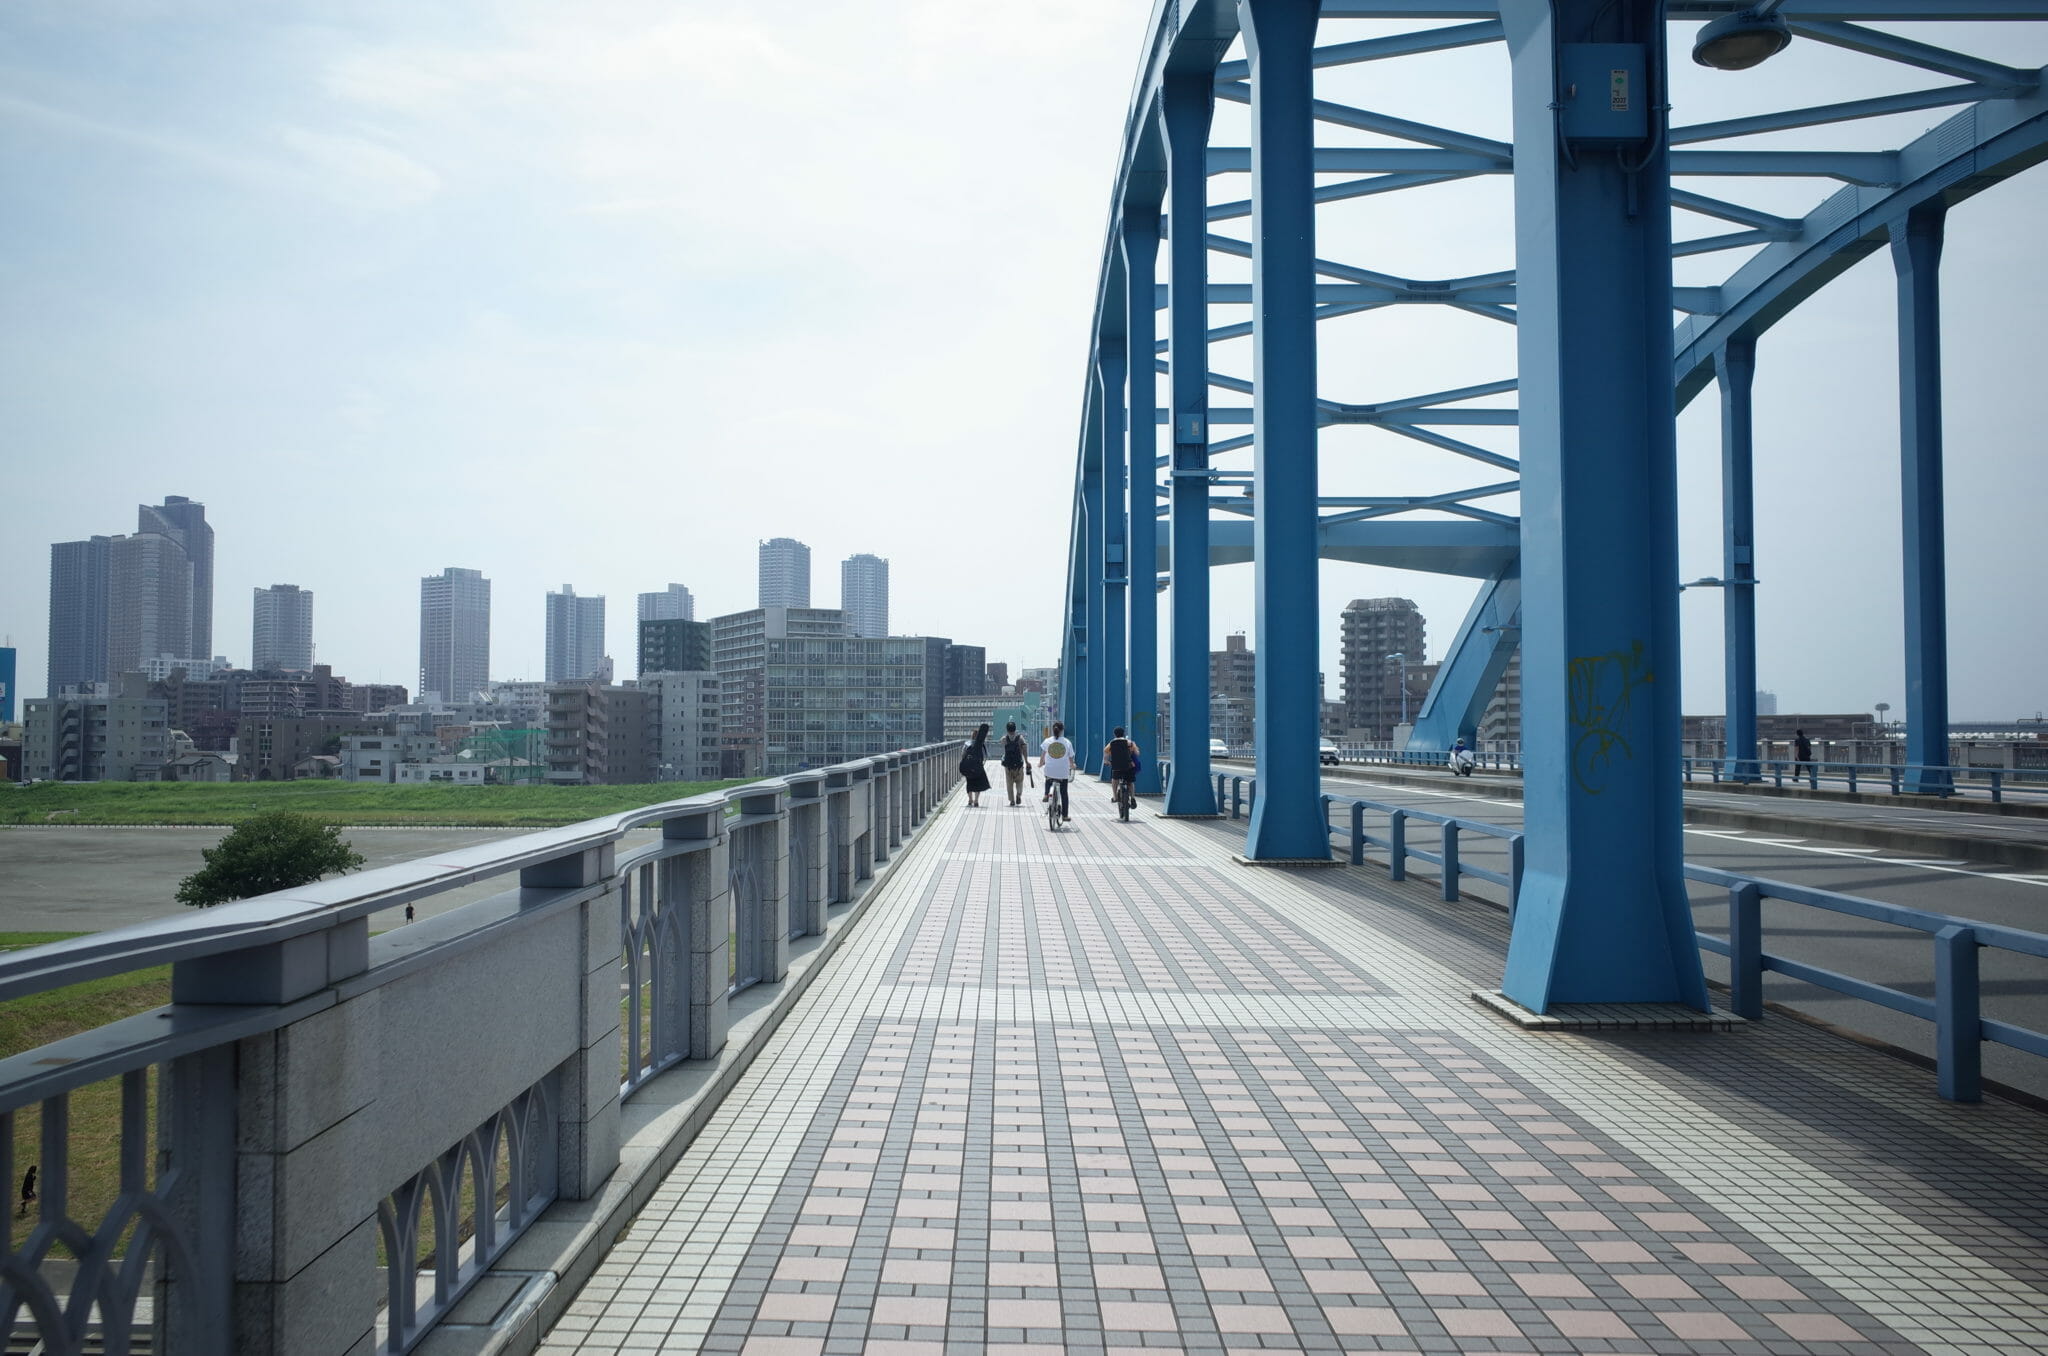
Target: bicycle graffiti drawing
{"points": [[1602, 692]]}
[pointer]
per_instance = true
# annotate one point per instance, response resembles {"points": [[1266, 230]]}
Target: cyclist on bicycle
{"points": [[1056, 761], [1120, 756]]}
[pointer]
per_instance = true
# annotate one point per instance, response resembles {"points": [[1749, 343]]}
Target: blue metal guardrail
{"points": [[509, 984], [1956, 1008], [1898, 778]]}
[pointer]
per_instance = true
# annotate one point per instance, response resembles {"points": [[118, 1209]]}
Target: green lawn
{"points": [[517, 807]]}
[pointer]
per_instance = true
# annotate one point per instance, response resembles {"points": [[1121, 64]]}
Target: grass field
{"points": [[512, 807]]}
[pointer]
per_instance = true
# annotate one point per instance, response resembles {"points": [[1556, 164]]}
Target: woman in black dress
{"points": [[971, 761]]}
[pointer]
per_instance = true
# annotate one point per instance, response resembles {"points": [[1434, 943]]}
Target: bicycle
{"points": [[1055, 803], [1121, 791]]}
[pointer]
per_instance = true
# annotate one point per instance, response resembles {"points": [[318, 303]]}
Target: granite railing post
{"points": [[304, 1277], [702, 880], [762, 835], [809, 873], [839, 833]]}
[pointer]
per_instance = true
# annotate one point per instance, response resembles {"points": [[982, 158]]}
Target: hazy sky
{"points": [[603, 294]]}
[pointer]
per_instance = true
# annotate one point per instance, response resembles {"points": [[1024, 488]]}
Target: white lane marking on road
{"points": [[1853, 855]]}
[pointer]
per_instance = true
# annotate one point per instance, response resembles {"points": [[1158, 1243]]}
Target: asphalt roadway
{"points": [[90, 878], [1808, 844]]}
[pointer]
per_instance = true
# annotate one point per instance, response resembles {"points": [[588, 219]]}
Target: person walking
{"points": [[971, 760], [1802, 747], [1013, 762]]}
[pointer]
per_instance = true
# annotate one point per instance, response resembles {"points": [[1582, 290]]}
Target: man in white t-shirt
{"points": [[1056, 761]]}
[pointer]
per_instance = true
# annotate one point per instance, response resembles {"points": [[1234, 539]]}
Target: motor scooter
{"points": [[1462, 762]]}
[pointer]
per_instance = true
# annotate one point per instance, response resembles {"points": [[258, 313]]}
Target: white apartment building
{"points": [[671, 604], [281, 631], [864, 594]]}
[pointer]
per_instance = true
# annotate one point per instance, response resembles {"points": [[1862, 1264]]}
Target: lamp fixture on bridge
{"points": [[1736, 42]]}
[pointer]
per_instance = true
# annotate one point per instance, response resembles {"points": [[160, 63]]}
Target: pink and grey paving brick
{"points": [[1106, 1091]]}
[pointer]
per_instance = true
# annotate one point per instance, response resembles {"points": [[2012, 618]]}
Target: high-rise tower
{"points": [[149, 600], [575, 636], [864, 594], [673, 603], [78, 613], [785, 573], [281, 635], [1375, 630], [184, 521], [455, 634]]}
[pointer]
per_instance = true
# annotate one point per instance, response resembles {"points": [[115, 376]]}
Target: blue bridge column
{"points": [[1112, 655], [1088, 712], [1916, 255], [1737, 373], [1185, 107], [1603, 915], [1287, 820], [1140, 239]]}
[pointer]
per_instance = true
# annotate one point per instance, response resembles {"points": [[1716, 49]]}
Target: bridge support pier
{"points": [[1140, 244], [1185, 110], [1603, 915], [1287, 817], [1737, 373], [1112, 655], [1916, 255]]}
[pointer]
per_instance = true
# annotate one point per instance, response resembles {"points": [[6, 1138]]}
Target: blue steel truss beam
{"points": [[1999, 134]]}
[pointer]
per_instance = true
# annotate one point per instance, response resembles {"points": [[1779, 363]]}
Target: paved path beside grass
{"points": [[91, 878], [1108, 1091]]}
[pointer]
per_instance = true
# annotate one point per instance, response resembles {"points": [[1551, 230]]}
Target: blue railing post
{"points": [[1450, 856], [1746, 950], [1893, 768], [1358, 833], [1958, 1026], [1778, 774], [1997, 783], [1852, 779], [1813, 776], [1397, 845], [1514, 876]]}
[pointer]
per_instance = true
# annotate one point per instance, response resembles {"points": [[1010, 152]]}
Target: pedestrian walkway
{"points": [[1107, 1090]]}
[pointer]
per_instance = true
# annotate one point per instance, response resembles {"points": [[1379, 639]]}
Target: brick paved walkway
{"points": [[1108, 1091]]}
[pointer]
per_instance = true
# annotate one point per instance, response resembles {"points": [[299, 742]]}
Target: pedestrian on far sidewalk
{"points": [[1015, 752], [971, 760]]}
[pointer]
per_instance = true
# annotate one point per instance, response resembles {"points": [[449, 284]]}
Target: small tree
{"points": [[270, 852]]}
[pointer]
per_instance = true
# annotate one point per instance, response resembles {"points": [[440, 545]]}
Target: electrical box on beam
{"points": [[1604, 93]]}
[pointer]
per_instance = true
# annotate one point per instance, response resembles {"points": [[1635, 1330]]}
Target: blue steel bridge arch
{"points": [[1577, 384]]}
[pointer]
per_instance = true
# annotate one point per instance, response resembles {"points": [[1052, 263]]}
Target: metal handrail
{"points": [[1956, 1008], [1920, 779]]}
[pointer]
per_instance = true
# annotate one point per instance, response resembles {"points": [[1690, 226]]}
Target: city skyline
{"points": [[358, 244]]}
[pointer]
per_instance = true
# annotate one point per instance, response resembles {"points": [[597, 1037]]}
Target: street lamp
{"points": [[1404, 684], [1736, 42]]}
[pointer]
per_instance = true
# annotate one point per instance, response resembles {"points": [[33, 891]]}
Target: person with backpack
{"points": [[971, 760], [1056, 761], [1120, 755], [1013, 762]]}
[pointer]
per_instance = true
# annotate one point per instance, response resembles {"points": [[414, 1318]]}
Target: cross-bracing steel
{"points": [[1395, 283]]}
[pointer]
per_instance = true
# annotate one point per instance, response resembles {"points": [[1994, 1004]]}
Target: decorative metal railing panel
{"points": [[479, 1194], [654, 924], [113, 1263]]}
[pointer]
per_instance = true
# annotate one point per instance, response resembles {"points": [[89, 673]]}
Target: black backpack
{"points": [[1013, 750]]}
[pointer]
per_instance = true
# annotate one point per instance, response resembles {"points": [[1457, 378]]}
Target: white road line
{"points": [[1854, 854]]}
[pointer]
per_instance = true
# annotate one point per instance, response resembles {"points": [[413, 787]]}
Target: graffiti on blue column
{"points": [[1602, 688]]}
